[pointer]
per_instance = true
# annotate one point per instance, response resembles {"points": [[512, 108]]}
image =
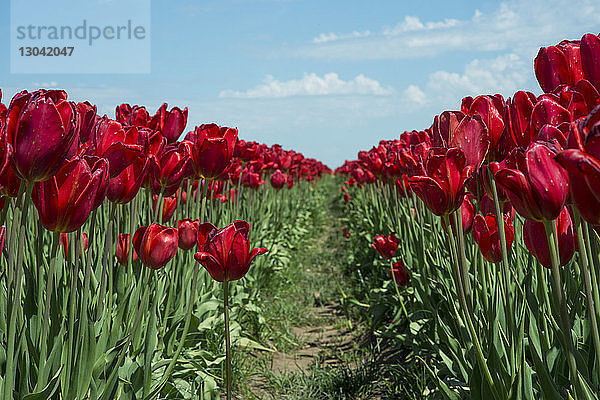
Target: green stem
{"points": [[42, 373], [227, 340], [557, 287], [186, 329]]}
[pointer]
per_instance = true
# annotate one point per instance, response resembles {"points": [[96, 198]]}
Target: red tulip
{"points": [[41, 126], [64, 242], [443, 188], [536, 242], [399, 274], [172, 167], [225, 253], [485, 234], [552, 68], [536, 185], [122, 251], [278, 179], [582, 161], [87, 119], [518, 115], [155, 245], [65, 201], [590, 58], [123, 188], [213, 149], [188, 233], [169, 207], [491, 110], [386, 246], [472, 137], [467, 212], [174, 123]]}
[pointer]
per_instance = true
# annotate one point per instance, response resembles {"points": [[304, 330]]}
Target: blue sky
{"points": [[325, 78]]}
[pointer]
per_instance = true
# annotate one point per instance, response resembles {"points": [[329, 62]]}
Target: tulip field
{"points": [[144, 259]]}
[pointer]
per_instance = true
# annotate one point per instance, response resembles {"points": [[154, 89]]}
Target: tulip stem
{"points": [[227, 340], [552, 235], [186, 329], [42, 373], [591, 307], [398, 293], [11, 360], [467, 316]]}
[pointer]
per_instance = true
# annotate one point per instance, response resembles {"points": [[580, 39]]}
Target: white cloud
{"points": [[415, 95], [311, 85], [519, 26]]}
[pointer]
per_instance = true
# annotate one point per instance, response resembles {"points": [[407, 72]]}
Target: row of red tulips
{"points": [[536, 155], [67, 160]]}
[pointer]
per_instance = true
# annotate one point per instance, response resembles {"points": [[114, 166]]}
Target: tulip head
{"points": [[386, 246], [155, 245]]}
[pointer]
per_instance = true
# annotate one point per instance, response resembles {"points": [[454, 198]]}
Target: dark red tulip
{"points": [[590, 58], [123, 188], [188, 233], [536, 185], [536, 242], [87, 119], [171, 171], [64, 242], [472, 137], [169, 207], [346, 198], [122, 251], [278, 179], [65, 201], [213, 149], [491, 111], [444, 127], [518, 115], [386, 246], [443, 188], [174, 123], [547, 111], [225, 253], [155, 245], [582, 161], [468, 212], [41, 126], [552, 68], [485, 234], [399, 274]]}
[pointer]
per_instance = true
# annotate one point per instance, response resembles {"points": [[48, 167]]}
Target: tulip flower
{"points": [[168, 209], [174, 123], [155, 245], [443, 188], [386, 246], [399, 274], [65, 201], [491, 111], [346, 198], [213, 149], [467, 212], [64, 242], [534, 235], [225, 253], [485, 234], [472, 137], [187, 233], [41, 126], [171, 172], [582, 162], [122, 250], [536, 185], [590, 58], [518, 115], [123, 188], [278, 179], [552, 68], [87, 120]]}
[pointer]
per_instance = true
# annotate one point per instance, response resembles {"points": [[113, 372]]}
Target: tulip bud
{"points": [[155, 245]]}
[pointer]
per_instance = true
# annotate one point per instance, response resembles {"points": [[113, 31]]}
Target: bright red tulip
{"points": [[518, 116], [87, 119], [399, 274], [590, 58], [536, 185], [386, 246], [64, 242], [174, 123], [65, 201], [536, 242], [443, 188], [188, 233], [171, 172], [213, 149], [155, 245], [485, 234], [41, 126], [225, 253], [122, 251]]}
